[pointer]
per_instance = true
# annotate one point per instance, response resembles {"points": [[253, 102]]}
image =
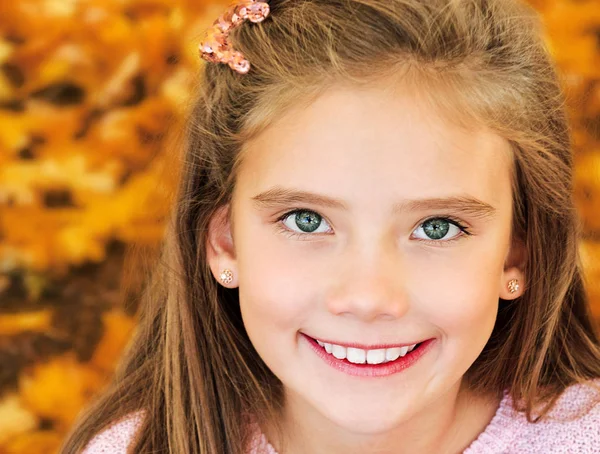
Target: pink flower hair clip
{"points": [[216, 47]]}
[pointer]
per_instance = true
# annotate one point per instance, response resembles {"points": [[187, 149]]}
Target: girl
{"points": [[374, 248]]}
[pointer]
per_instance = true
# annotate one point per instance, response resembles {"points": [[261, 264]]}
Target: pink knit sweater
{"points": [[572, 427]]}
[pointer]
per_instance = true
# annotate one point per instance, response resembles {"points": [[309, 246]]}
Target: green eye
{"points": [[304, 221], [307, 221], [437, 229]]}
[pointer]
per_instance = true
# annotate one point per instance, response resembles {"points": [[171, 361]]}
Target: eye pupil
{"points": [[308, 221], [436, 228]]}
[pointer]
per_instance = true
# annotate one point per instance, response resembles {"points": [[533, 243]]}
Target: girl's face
{"points": [[366, 219]]}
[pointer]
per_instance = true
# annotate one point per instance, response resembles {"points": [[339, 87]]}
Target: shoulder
{"points": [[116, 438], [571, 426]]}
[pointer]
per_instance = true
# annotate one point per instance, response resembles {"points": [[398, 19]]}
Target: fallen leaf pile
{"points": [[573, 36], [90, 92]]}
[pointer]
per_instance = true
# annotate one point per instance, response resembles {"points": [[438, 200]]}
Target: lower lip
{"points": [[372, 370]]}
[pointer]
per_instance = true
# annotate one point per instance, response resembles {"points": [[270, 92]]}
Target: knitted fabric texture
{"points": [[572, 426]]}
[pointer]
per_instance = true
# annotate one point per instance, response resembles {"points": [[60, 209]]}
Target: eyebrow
{"points": [[279, 196]]}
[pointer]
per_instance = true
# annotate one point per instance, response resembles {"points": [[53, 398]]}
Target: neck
{"points": [[446, 426]]}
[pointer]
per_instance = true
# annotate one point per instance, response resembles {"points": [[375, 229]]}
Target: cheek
{"points": [[462, 304], [464, 311], [273, 291]]}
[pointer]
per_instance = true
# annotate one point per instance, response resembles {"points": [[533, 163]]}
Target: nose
{"points": [[369, 287]]}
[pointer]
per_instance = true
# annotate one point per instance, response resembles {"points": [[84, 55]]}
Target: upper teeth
{"points": [[360, 356]]}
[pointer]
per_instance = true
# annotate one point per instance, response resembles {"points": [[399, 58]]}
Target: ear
{"points": [[220, 250], [514, 268]]}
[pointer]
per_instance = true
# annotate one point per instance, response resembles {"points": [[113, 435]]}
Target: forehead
{"points": [[387, 141]]}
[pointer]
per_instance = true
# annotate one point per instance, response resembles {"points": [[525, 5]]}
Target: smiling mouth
{"points": [[370, 363], [362, 356]]}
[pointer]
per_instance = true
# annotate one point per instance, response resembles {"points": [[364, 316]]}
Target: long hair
{"points": [[191, 366]]}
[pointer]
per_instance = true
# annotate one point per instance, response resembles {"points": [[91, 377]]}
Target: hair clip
{"points": [[216, 47]]}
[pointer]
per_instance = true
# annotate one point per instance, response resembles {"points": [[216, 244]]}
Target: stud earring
{"points": [[513, 285], [226, 276]]}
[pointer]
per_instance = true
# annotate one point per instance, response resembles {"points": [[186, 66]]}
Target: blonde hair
{"points": [[192, 367]]}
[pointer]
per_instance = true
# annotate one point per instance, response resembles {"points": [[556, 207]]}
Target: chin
{"points": [[365, 423]]}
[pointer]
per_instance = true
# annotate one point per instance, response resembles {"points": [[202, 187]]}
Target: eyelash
{"points": [[306, 236]]}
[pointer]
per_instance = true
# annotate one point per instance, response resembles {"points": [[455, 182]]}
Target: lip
{"points": [[371, 370], [366, 347]]}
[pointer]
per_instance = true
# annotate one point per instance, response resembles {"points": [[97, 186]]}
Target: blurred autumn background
{"points": [[91, 97]]}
